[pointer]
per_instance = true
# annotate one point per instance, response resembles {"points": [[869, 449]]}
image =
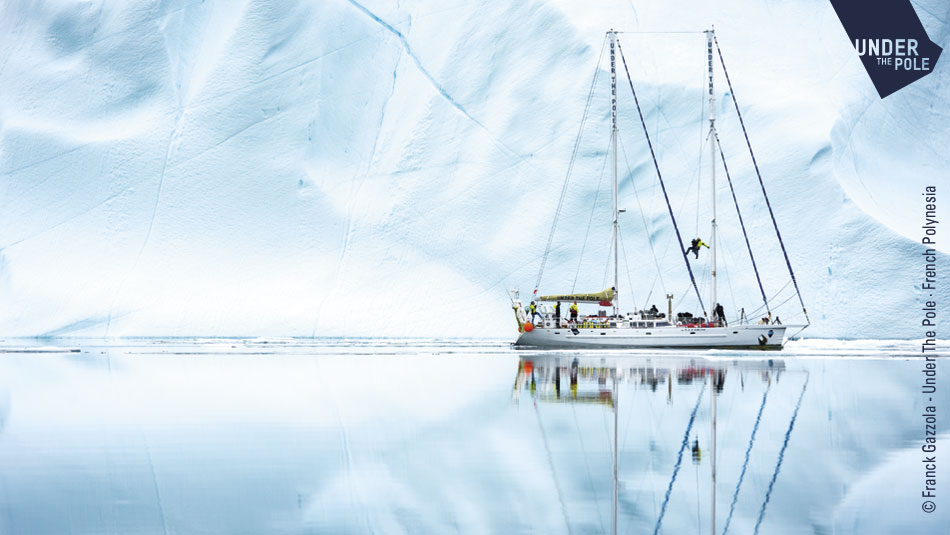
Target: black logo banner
{"points": [[890, 40]]}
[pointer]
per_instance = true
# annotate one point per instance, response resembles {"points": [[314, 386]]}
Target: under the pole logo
{"points": [[890, 40]]}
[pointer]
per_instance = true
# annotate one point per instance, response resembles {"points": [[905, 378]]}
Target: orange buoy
{"points": [[528, 327]]}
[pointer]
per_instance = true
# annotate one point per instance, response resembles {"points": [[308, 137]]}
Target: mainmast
{"points": [[712, 250], [613, 139], [616, 401], [712, 520], [712, 164]]}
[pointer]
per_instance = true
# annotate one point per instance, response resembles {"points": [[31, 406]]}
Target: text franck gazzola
{"points": [[929, 322]]}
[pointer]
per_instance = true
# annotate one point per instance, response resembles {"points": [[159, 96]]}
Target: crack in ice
{"points": [[425, 72]]}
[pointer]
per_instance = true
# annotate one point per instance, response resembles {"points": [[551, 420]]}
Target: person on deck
{"points": [[720, 315], [534, 311], [557, 314], [695, 245], [574, 313]]}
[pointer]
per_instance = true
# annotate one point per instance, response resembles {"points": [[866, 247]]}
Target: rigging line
{"points": [[776, 294], [547, 449], [781, 457], [702, 146], [699, 187], [610, 447], [646, 226], [662, 184], [590, 220], [774, 297], [657, 33], [680, 209], [725, 267], [679, 302], [683, 295], [698, 177], [745, 235], [626, 429], [745, 463], [699, 525], [788, 262], [792, 336], [789, 298], [626, 266], [683, 204], [679, 460], [704, 278], [607, 427], [590, 478], [570, 167]]}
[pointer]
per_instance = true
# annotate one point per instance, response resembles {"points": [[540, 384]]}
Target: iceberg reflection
{"points": [[428, 436]]}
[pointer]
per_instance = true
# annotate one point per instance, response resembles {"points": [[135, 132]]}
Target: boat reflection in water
{"points": [[426, 436], [601, 381], [589, 379]]}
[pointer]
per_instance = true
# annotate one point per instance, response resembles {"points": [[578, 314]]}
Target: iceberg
{"points": [[368, 168]]}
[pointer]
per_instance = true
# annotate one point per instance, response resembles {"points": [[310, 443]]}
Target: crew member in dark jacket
{"points": [[695, 245]]}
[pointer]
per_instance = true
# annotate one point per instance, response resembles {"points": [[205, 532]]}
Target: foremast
{"points": [[612, 35], [713, 140], [616, 306], [714, 303]]}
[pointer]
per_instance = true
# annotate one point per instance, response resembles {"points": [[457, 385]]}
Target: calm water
{"points": [[422, 436]]}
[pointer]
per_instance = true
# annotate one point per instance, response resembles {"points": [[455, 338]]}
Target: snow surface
{"points": [[291, 168]]}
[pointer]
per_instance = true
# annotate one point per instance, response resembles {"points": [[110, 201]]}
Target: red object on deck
{"points": [[605, 303], [528, 327]]}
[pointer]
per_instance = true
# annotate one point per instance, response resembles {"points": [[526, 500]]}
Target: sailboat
{"points": [[652, 328]]}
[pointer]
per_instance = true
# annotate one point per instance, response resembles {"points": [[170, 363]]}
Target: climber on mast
{"points": [[695, 245]]}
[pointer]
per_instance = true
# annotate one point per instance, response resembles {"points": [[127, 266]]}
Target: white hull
{"points": [[736, 337]]}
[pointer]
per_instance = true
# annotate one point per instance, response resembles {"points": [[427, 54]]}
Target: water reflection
{"points": [[432, 437], [787, 457], [599, 381]]}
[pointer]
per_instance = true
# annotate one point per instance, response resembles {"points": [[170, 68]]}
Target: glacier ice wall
{"points": [[373, 168]]}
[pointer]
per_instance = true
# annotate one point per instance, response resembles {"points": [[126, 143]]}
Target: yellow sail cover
{"points": [[606, 295]]}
